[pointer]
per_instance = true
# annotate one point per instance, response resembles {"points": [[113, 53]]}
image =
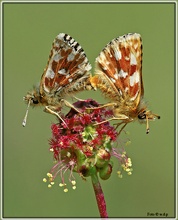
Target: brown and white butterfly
{"points": [[118, 75], [67, 72]]}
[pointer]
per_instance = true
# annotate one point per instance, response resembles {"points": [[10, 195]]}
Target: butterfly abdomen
{"points": [[98, 82]]}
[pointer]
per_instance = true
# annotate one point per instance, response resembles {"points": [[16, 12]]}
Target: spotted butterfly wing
{"points": [[67, 64], [67, 71], [119, 75]]}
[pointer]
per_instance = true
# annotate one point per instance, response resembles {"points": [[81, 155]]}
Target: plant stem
{"points": [[99, 196]]}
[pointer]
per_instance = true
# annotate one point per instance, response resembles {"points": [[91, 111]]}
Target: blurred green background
{"points": [[28, 32]]}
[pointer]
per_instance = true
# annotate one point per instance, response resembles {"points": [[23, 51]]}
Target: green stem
{"points": [[99, 196]]}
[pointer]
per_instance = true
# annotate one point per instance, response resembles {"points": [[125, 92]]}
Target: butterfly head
{"points": [[32, 98], [144, 116]]}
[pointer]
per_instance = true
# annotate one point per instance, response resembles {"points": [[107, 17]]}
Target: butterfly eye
{"points": [[142, 115], [35, 101]]}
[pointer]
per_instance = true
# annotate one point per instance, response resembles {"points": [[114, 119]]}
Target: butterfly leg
{"points": [[70, 105], [53, 112], [103, 106], [78, 98], [121, 117], [121, 128]]}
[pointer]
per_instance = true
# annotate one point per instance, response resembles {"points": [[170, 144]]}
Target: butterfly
{"points": [[67, 72], [118, 75]]}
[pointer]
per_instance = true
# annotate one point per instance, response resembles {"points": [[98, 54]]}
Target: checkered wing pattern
{"points": [[120, 65], [67, 64]]}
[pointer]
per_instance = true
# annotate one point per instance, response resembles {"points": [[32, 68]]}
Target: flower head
{"points": [[83, 144]]}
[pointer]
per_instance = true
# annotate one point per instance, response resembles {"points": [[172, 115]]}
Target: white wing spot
{"points": [[72, 40], [117, 54], [122, 74], [60, 36], [50, 73], [68, 37], [70, 57], [85, 60], [126, 89], [79, 47], [116, 75], [84, 67], [74, 44], [57, 57], [107, 63], [70, 79], [133, 60], [134, 78], [127, 58], [62, 71], [88, 67]]}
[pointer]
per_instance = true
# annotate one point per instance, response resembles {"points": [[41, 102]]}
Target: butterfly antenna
{"points": [[26, 114], [147, 126], [157, 116], [147, 122]]}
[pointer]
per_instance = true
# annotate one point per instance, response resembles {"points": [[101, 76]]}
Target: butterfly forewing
{"points": [[121, 63], [67, 63]]}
